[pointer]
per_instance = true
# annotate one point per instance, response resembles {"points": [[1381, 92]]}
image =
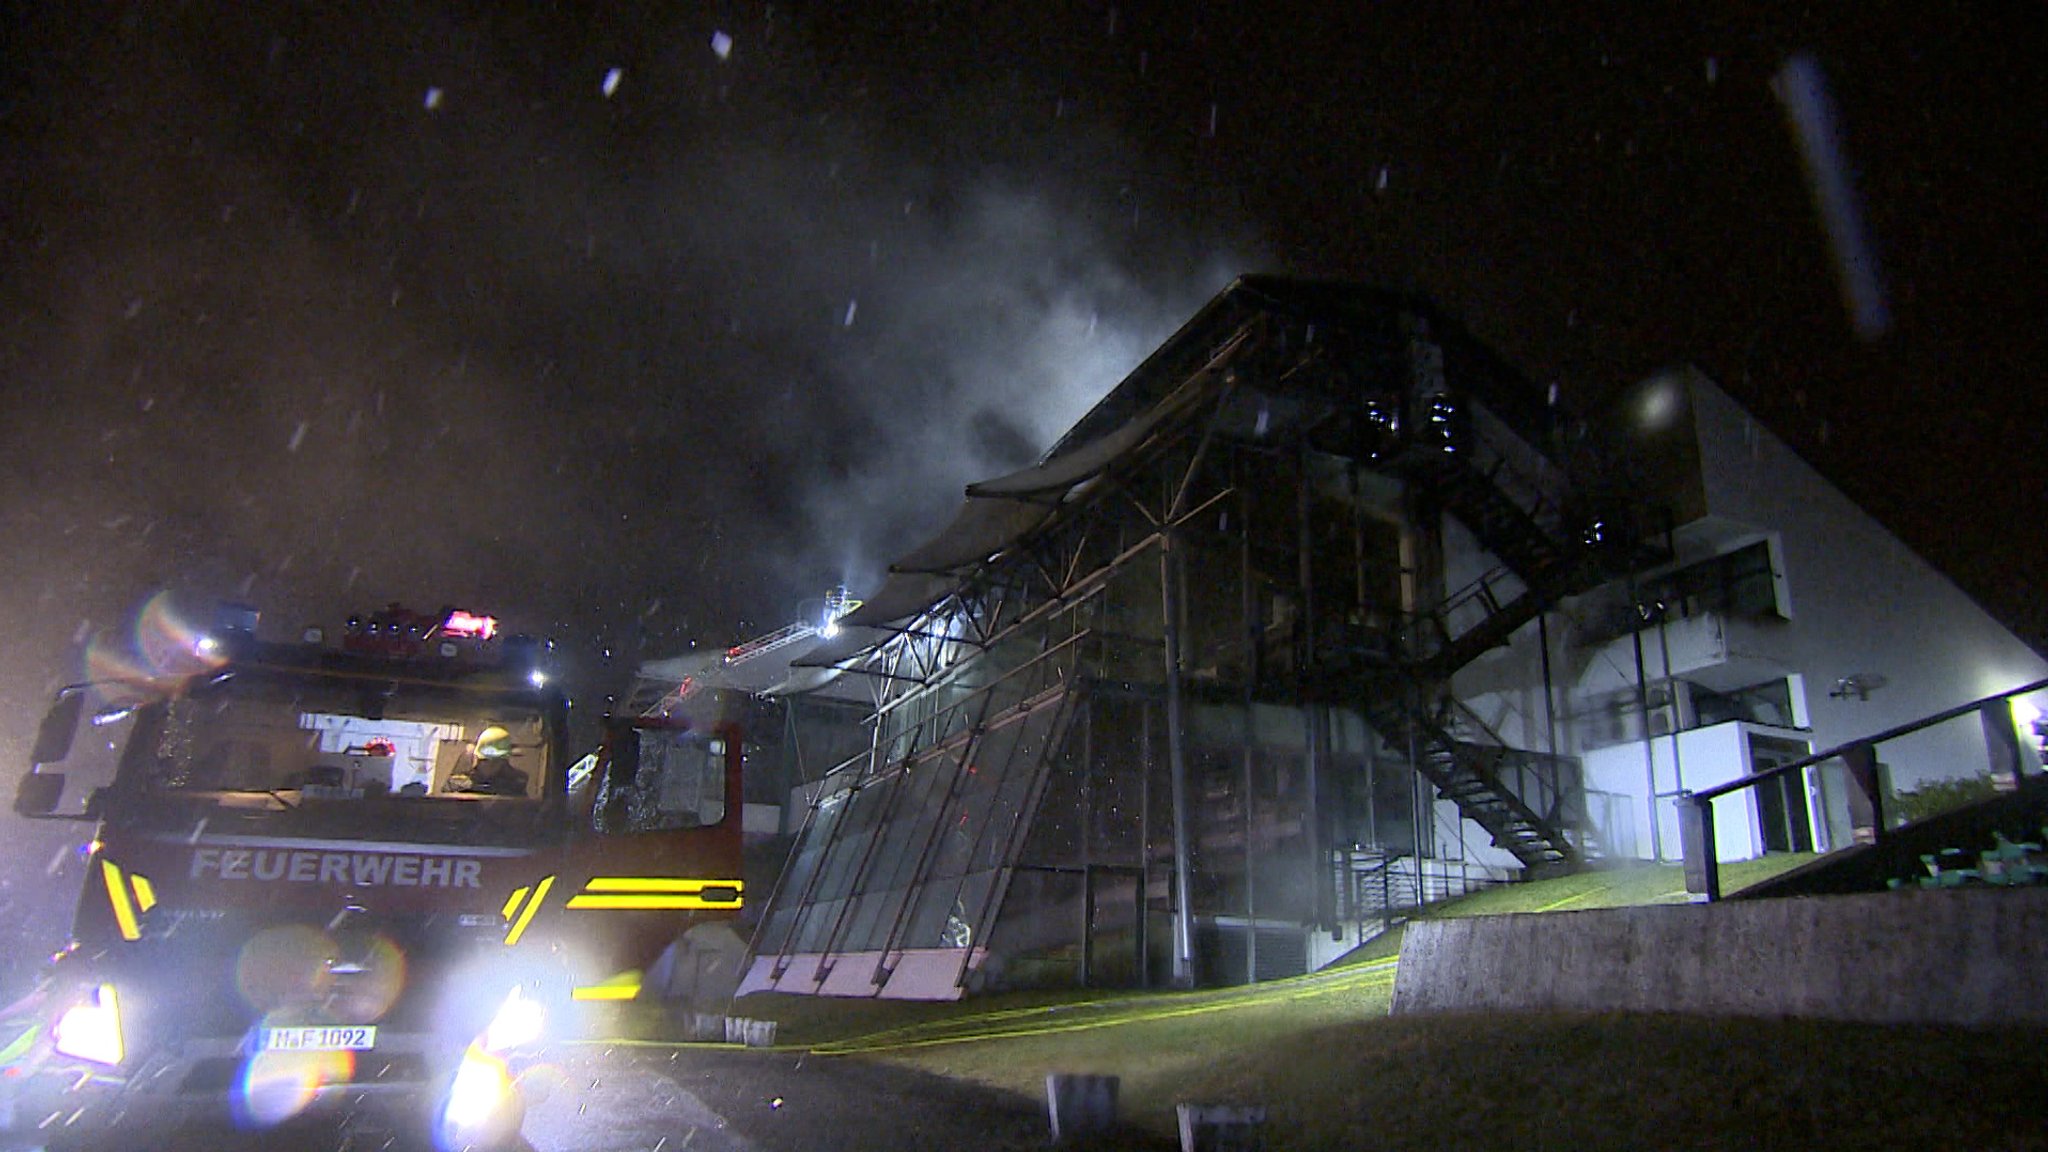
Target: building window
{"points": [[1739, 583], [1767, 703]]}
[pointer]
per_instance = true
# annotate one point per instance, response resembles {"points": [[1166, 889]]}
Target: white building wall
{"points": [[1695, 759], [1862, 603]]}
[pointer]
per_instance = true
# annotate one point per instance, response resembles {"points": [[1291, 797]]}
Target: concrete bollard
{"points": [[1221, 1128], [752, 1033], [1080, 1104]]}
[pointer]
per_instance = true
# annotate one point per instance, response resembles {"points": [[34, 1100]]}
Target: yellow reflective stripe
{"points": [[526, 915], [658, 884], [145, 892], [19, 1047], [652, 901], [506, 912], [605, 992], [624, 986], [117, 894]]}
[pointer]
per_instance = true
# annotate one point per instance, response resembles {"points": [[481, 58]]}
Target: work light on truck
{"points": [[91, 1029], [517, 1023], [483, 1106]]}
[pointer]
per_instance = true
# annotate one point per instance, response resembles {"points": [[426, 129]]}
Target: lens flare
{"points": [[277, 1086], [109, 664], [162, 643], [287, 966], [369, 978], [168, 643]]}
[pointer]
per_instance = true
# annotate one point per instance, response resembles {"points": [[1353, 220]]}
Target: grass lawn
{"points": [[1337, 1072], [1601, 888]]}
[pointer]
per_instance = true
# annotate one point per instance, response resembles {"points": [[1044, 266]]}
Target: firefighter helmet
{"points": [[493, 743]]}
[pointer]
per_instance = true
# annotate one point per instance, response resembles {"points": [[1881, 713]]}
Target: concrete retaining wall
{"points": [[1964, 957]]}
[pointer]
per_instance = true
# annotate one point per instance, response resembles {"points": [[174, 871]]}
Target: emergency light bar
{"points": [[400, 632], [469, 625]]}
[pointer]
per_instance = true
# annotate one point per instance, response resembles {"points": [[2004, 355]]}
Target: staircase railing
{"points": [[1435, 631], [1538, 778], [1376, 890], [1521, 798]]}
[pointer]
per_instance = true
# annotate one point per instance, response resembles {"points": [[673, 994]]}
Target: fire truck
{"points": [[365, 878]]}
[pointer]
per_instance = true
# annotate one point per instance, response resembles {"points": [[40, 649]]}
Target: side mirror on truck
{"points": [[38, 794], [60, 726]]}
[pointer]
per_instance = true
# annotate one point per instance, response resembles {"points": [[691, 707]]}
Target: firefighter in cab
{"points": [[491, 772]]}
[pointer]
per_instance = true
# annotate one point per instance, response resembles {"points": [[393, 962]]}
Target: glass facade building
{"points": [[1171, 706]]}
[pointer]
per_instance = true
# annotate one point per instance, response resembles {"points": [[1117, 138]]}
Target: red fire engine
{"points": [[371, 874]]}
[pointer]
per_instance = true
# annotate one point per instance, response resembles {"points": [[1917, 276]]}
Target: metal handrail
{"points": [[1866, 804], [1707, 794]]}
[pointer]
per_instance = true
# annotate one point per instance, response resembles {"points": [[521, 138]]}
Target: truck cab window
{"points": [[680, 783]]}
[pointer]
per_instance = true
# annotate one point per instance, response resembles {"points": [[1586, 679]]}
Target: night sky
{"points": [[639, 326]]}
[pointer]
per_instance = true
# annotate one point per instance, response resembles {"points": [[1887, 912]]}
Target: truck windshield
{"points": [[272, 738]]}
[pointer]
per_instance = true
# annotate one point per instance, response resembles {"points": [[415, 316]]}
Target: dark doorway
{"points": [[1782, 816]]}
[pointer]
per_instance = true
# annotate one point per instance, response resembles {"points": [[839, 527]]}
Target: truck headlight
{"points": [[91, 1030], [480, 1093], [517, 1023], [483, 1105]]}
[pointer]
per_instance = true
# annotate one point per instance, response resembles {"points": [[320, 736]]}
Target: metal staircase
{"points": [[1532, 818], [1469, 774], [1546, 555]]}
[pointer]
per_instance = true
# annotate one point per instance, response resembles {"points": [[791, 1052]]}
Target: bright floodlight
{"points": [[92, 1030], [517, 1023], [480, 1089]]}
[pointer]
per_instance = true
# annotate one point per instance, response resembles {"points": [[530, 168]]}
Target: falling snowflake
{"points": [[298, 436], [433, 99], [611, 82], [721, 44], [852, 306]]}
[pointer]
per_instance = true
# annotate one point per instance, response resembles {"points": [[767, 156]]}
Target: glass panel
{"points": [[681, 782], [969, 915], [905, 844], [1117, 790], [1038, 942], [1113, 959], [937, 904], [922, 843], [775, 929], [818, 925], [860, 933]]}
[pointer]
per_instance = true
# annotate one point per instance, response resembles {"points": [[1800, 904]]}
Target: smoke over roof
{"points": [[634, 344]]}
